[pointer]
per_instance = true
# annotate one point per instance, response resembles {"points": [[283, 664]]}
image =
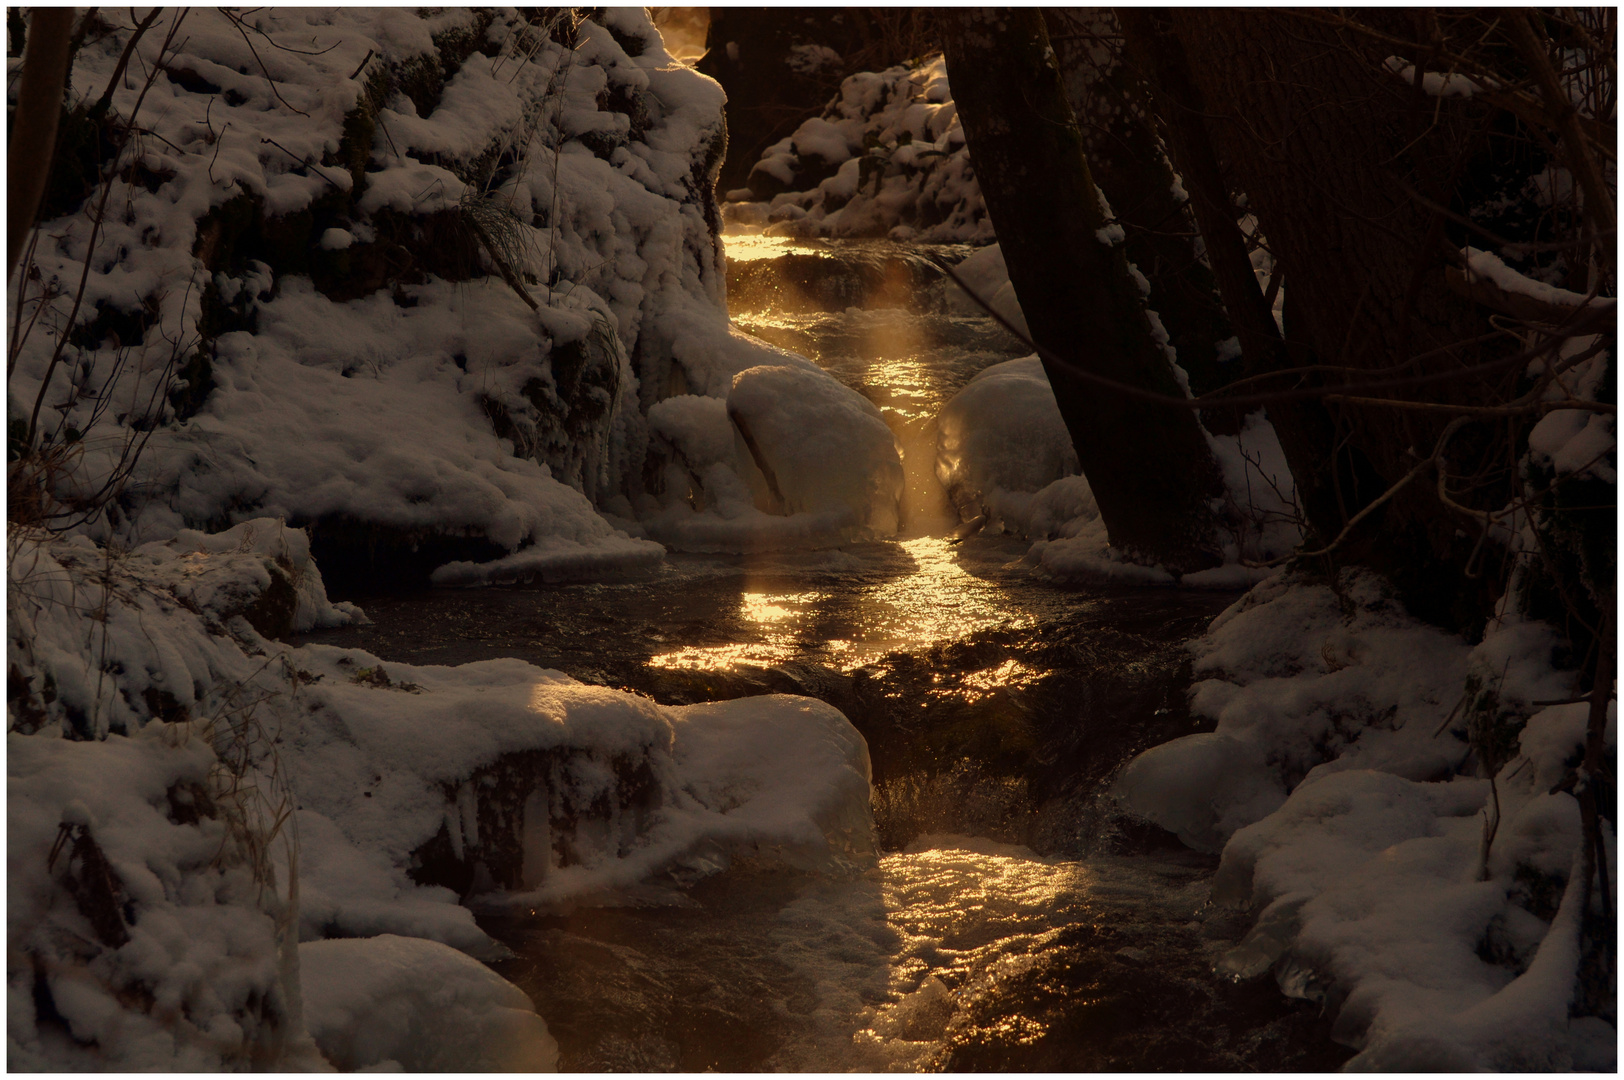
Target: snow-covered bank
{"points": [[1007, 461], [189, 799], [414, 281], [1376, 891], [887, 158]]}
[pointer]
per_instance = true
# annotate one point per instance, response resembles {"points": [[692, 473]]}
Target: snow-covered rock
{"points": [[1006, 459], [138, 938], [1424, 910], [886, 158], [817, 446], [1002, 436], [986, 274], [404, 1004], [188, 799]]}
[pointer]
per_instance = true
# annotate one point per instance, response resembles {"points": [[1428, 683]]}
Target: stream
{"points": [[1012, 922]]}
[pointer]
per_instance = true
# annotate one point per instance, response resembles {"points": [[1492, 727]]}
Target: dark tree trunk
{"points": [[1306, 431], [1149, 465], [1109, 98], [1330, 146], [33, 135]]}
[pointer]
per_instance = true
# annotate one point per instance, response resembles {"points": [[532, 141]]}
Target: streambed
{"points": [[1011, 923]]}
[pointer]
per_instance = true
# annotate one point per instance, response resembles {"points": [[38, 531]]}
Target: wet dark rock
{"points": [[491, 855], [359, 558]]}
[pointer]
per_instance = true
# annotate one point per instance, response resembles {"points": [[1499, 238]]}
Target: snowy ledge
{"points": [[220, 798]]}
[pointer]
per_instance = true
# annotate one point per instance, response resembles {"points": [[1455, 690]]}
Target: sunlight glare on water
{"points": [[900, 959], [748, 247], [937, 601]]}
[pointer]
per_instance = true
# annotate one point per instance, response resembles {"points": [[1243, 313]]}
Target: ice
{"points": [[397, 1003], [1200, 787], [818, 447], [1002, 435]]}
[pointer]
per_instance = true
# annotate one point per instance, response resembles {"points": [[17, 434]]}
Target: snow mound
{"points": [[1372, 905], [887, 158], [1002, 436], [988, 277], [401, 1004], [1006, 458], [1296, 684], [790, 459], [817, 446], [1426, 912], [1201, 787], [175, 615], [137, 939]]}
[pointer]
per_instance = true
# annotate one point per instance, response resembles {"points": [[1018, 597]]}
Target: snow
{"points": [[818, 446], [1333, 787], [1006, 459], [357, 766], [1433, 83], [403, 1004], [208, 949], [1487, 265], [903, 169], [1002, 437], [1574, 441], [835, 466]]}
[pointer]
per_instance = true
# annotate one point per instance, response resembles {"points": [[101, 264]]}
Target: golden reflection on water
{"points": [[748, 247], [974, 913], [1010, 673], [939, 601], [936, 601]]}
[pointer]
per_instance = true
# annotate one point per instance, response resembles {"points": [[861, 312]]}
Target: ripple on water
{"points": [[894, 969], [936, 601]]}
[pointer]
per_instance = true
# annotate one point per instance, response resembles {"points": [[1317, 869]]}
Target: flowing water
{"points": [[1012, 922]]}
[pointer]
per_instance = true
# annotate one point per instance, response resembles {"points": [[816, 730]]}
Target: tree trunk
{"points": [[1149, 465], [1329, 146], [33, 135], [1109, 98], [1328, 496]]}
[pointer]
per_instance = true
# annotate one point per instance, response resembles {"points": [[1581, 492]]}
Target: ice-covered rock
{"points": [[404, 1004], [1002, 435], [988, 277], [817, 447]]}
